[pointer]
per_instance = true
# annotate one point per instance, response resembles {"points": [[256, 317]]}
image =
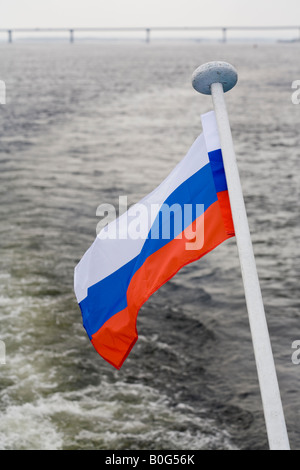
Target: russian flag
{"points": [[123, 268]]}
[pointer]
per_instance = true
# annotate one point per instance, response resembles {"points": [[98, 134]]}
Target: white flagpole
{"points": [[215, 78]]}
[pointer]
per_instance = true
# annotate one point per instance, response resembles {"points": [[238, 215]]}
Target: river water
{"points": [[82, 125]]}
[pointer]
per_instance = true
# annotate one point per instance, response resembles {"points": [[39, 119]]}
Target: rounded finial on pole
{"points": [[214, 72]]}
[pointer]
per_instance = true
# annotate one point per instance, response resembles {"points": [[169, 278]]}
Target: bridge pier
{"points": [[148, 35]]}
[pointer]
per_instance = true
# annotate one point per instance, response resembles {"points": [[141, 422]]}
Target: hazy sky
{"points": [[71, 13]]}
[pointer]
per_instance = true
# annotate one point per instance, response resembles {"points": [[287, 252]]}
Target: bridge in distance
{"points": [[223, 30]]}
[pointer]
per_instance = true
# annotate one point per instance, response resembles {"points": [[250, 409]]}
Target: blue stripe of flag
{"points": [[216, 162]]}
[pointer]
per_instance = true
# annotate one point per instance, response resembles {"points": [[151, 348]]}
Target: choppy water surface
{"points": [[82, 125]]}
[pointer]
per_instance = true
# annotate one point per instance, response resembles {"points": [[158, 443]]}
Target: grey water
{"points": [[82, 125]]}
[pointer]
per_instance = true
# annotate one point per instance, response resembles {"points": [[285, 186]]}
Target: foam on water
{"points": [[110, 416]]}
